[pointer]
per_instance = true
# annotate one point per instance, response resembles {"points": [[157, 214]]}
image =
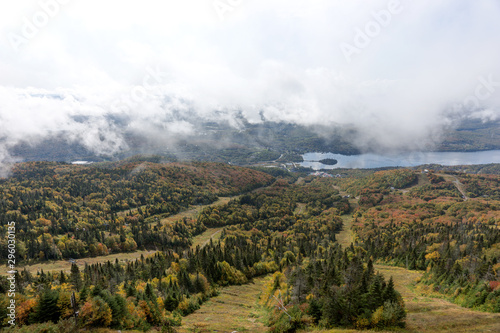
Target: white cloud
{"points": [[280, 57]]}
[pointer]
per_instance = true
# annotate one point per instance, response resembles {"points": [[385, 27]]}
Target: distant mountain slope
{"points": [[250, 143], [472, 135]]}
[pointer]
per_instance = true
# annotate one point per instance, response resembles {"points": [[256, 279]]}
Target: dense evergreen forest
{"points": [[275, 224]]}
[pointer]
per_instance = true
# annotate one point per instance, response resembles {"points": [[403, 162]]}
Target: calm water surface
{"points": [[404, 159]]}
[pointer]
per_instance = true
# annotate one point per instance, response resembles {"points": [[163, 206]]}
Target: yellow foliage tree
{"points": [[434, 256], [96, 312]]}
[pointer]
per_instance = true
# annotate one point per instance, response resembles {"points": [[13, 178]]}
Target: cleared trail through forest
{"points": [[192, 212], [346, 236], [205, 237], [430, 314], [235, 309], [65, 265], [422, 180]]}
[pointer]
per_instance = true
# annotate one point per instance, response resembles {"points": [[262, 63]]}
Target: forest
{"points": [[67, 211], [434, 228], [274, 223]]}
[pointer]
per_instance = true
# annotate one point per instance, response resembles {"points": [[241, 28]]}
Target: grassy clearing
{"points": [[204, 238], [353, 201], [193, 212], [346, 236], [422, 180], [235, 309], [428, 314], [301, 207], [65, 265], [128, 211]]}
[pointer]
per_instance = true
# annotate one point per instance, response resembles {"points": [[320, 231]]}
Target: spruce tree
{"points": [[47, 309], [76, 279], [375, 296], [62, 277], [390, 294]]}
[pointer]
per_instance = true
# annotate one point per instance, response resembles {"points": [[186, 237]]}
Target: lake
{"points": [[368, 161]]}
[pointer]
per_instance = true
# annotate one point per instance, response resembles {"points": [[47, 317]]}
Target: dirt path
{"points": [[235, 309], [460, 187]]}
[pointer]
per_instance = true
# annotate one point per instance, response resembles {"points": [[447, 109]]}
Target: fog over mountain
{"points": [[396, 73]]}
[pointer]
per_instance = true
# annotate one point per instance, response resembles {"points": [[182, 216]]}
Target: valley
{"points": [[255, 143]]}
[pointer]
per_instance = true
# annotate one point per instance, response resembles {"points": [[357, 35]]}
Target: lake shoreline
{"points": [[408, 159]]}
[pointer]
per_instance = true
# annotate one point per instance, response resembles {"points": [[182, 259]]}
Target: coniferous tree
{"points": [[76, 278], [47, 309], [62, 277], [375, 296], [390, 293]]}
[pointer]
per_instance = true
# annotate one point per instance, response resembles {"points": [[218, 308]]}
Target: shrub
{"points": [[282, 323]]}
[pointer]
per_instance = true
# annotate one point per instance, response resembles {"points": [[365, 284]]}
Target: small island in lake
{"points": [[328, 161]]}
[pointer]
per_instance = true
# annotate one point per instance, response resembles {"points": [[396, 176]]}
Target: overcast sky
{"points": [[396, 70]]}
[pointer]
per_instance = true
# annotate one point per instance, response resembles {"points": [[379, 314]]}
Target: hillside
{"points": [[446, 224], [74, 211]]}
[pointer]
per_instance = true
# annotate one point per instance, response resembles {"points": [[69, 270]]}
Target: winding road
{"points": [[460, 187]]}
